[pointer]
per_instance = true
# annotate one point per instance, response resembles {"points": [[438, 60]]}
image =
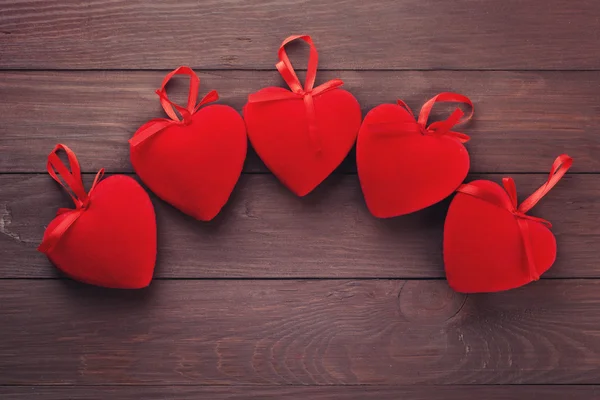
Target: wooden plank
{"points": [[240, 332], [523, 120], [265, 231], [454, 392], [350, 34]]}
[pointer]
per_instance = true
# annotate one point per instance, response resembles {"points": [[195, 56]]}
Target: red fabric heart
{"points": [[109, 239], [405, 165], [302, 135], [194, 162], [490, 244]]}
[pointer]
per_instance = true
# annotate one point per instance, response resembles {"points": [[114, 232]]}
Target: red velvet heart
{"points": [[491, 243], [279, 132], [302, 135], [195, 167], [109, 239], [404, 166], [195, 163], [483, 244]]}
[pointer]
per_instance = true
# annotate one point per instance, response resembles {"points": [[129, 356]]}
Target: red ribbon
{"points": [[307, 93], [170, 107], [443, 127], [71, 181], [560, 166]]}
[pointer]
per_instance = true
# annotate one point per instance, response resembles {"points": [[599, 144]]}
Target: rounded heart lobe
{"points": [[195, 167], [279, 132], [113, 242], [402, 170], [483, 245]]}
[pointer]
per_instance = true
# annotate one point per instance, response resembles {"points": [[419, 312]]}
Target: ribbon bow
{"points": [[186, 112], [443, 127], [560, 166], [71, 181], [307, 93]]}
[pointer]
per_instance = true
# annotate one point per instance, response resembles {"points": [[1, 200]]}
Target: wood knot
{"points": [[429, 301]]}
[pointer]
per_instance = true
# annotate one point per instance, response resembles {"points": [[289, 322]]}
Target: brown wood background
{"points": [[281, 297]]}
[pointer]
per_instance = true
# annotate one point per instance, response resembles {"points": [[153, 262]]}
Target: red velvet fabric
{"points": [[302, 134], [112, 241], [491, 243], [193, 163], [404, 165], [483, 246]]}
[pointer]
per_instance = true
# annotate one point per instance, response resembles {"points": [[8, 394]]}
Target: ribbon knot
{"points": [[516, 210], [306, 92], [83, 205], [443, 127], [560, 166], [171, 108], [71, 181]]}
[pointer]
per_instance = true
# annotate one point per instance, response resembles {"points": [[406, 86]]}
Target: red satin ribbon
{"points": [[560, 166], [443, 127], [170, 107], [308, 92], [72, 183]]}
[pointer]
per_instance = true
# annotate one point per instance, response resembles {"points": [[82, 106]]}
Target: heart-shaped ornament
{"points": [[490, 243], [109, 239], [304, 133], [403, 164], [192, 162]]}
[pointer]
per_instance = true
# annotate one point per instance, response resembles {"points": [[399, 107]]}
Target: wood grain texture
{"points": [[448, 392], [227, 316], [378, 332], [522, 120], [350, 34], [265, 231]]}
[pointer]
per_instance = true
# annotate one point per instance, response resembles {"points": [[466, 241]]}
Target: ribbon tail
{"points": [[53, 237], [540, 220], [269, 96], [149, 131], [460, 136], [327, 86], [313, 128], [210, 97], [405, 106], [527, 247]]}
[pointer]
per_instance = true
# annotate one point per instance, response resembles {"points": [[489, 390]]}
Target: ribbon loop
{"points": [[172, 108], [168, 105], [71, 181], [456, 118], [307, 93], [559, 168], [284, 66]]}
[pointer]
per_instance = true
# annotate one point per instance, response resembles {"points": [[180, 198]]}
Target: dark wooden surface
{"points": [[299, 332], [265, 231], [282, 297], [445, 392], [378, 34], [523, 119]]}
